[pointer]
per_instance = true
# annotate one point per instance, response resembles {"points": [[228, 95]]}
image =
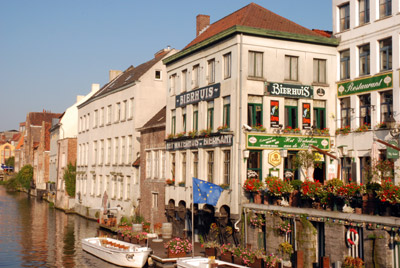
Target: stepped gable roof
{"points": [[254, 16], [36, 118], [157, 120], [129, 76]]}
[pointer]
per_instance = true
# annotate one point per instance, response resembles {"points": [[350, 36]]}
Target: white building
{"points": [[108, 141], [368, 81], [237, 72]]}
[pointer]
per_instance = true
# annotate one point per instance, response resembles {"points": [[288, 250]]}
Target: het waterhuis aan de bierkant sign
{"points": [[201, 142], [289, 90], [376, 82], [270, 142], [202, 94]]}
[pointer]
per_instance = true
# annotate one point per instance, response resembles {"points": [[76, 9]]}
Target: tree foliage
{"points": [[10, 161], [25, 176], [70, 179]]}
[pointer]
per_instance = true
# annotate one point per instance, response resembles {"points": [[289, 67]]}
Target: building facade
{"points": [[107, 138], [368, 85], [240, 93]]}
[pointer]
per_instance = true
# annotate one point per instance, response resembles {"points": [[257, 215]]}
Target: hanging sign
{"points": [[306, 115], [390, 152], [289, 90], [274, 118], [332, 171], [319, 157], [202, 94], [274, 158], [376, 82]]}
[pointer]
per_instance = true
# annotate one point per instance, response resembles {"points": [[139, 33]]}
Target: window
{"points": [[148, 164], [84, 123], [386, 106], [365, 169], [163, 166], [255, 64], [210, 166], [195, 117], [184, 80], [364, 59], [173, 123], [226, 112], [344, 13], [154, 200], [345, 112], [95, 118], [100, 187], [128, 188], [365, 110], [130, 115], [114, 187], [101, 159], [184, 119], [108, 189], [183, 179], [88, 122], [211, 71], [210, 114], [385, 8], [117, 112], [173, 166], [130, 149], [116, 151], [94, 152], [172, 81], [227, 167], [102, 116], [291, 68], [363, 6], [121, 187], [291, 116], [195, 76], [124, 110], [319, 115], [254, 114], [195, 164], [254, 165], [109, 114], [385, 51], [156, 156], [319, 71], [157, 75], [108, 151], [345, 64], [123, 150], [227, 65], [92, 186]]}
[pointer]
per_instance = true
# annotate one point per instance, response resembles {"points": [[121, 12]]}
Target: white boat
{"points": [[201, 262], [117, 252]]}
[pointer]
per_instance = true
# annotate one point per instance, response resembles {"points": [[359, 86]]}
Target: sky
{"points": [[51, 51]]}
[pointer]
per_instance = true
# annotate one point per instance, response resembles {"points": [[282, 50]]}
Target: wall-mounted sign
{"points": [[289, 90], [270, 142], [390, 152], [201, 94], [274, 118], [321, 92], [306, 115], [274, 158], [213, 141], [376, 82], [319, 157]]}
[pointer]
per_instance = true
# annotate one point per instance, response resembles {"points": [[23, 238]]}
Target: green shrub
{"points": [[70, 179], [296, 184]]}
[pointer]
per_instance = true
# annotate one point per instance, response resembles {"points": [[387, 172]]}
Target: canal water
{"points": [[34, 235]]}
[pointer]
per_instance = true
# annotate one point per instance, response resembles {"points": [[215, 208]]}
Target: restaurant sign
{"points": [[376, 82], [289, 90], [270, 142], [202, 94], [201, 142]]}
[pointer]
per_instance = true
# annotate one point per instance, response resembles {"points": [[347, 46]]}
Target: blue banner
{"points": [[206, 192]]}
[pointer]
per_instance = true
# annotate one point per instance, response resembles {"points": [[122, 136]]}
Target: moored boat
{"points": [[117, 252]]}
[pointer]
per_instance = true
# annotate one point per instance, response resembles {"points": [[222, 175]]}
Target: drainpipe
{"points": [[238, 142]]}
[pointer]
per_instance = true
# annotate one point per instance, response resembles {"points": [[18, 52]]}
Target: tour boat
{"points": [[117, 252]]}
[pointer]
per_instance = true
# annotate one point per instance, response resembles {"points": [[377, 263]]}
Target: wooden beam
{"points": [[388, 144], [323, 152]]}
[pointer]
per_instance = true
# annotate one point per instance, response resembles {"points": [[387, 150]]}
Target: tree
{"points": [[70, 179], [306, 161], [10, 161], [25, 176]]}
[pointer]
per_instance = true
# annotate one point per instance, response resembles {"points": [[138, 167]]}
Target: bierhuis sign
{"points": [[202, 94], [376, 82], [289, 90], [270, 142]]}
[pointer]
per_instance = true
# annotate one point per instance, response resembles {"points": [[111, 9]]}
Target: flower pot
{"points": [[226, 256], [210, 252], [143, 242], [369, 204], [237, 260], [127, 239], [134, 240], [176, 255], [258, 263], [257, 198], [294, 198]]}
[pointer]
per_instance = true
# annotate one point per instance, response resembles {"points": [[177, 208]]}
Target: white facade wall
{"points": [[378, 28], [241, 88], [96, 176]]}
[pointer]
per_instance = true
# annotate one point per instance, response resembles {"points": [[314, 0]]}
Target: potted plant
{"points": [[277, 188], [205, 132], [257, 258], [381, 125], [271, 260], [170, 136], [363, 128], [322, 131], [287, 250], [389, 195], [226, 252], [211, 247], [256, 220], [343, 130], [223, 128], [178, 247], [180, 134], [182, 184], [192, 133], [170, 181], [238, 254], [351, 262], [310, 191], [253, 186], [259, 127], [224, 186]]}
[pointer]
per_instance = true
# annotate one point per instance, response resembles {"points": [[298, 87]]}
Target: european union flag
{"points": [[205, 192]]}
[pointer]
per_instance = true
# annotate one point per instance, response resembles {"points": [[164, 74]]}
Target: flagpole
{"points": [[192, 222]]}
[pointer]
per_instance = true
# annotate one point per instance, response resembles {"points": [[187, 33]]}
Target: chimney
{"points": [[202, 21], [79, 98], [114, 73], [96, 87]]}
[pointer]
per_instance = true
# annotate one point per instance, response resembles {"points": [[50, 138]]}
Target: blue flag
{"points": [[206, 192]]}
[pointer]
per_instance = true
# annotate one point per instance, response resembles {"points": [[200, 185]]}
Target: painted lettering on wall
{"points": [[201, 94]]}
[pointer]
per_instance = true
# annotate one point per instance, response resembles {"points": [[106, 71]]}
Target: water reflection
{"points": [[34, 235]]}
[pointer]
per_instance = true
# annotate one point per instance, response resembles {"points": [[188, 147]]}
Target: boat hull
{"points": [[117, 252]]}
